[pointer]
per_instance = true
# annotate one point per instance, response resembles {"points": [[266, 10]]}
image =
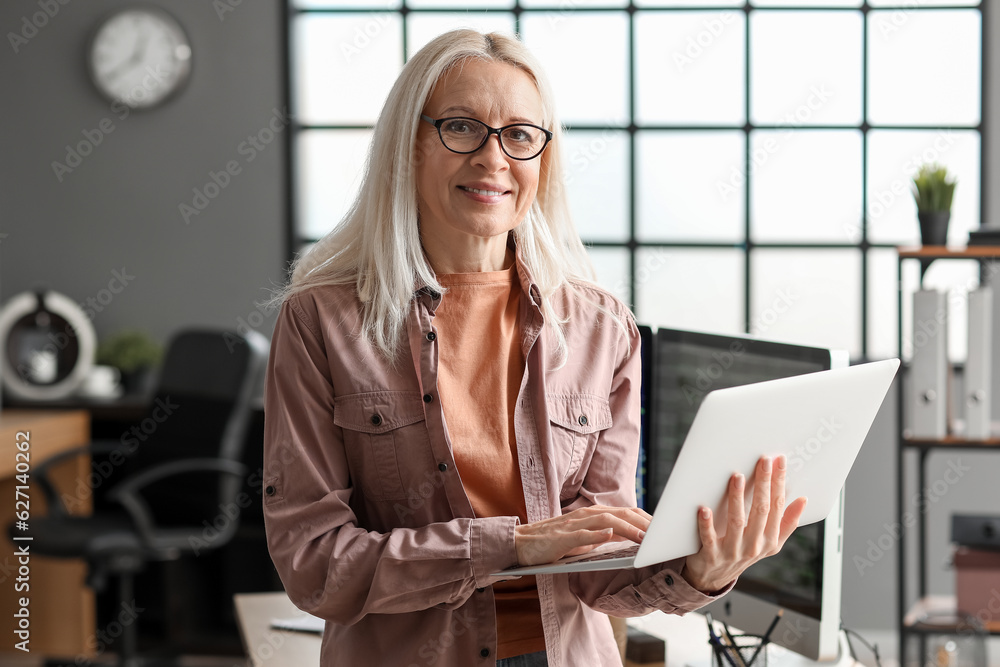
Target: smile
{"points": [[489, 193]]}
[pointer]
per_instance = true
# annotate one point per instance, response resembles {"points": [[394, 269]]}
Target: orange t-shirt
{"points": [[480, 368]]}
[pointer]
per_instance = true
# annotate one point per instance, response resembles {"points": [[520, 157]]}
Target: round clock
{"points": [[139, 56]]}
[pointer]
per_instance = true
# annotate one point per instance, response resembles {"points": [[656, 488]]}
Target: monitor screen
{"points": [[686, 366]]}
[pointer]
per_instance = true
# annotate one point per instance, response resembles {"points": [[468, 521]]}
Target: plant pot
{"points": [[933, 231], [138, 382], [934, 227]]}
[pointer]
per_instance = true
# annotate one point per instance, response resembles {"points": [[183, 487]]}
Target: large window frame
{"points": [[863, 246]]}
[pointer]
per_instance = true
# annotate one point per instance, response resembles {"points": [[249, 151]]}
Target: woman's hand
{"points": [[577, 532], [721, 560]]}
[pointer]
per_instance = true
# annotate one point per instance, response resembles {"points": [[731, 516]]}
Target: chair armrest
{"points": [[126, 493], [40, 472]]}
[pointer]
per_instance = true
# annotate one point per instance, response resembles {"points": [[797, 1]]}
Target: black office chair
{"points": [[172, 499]]}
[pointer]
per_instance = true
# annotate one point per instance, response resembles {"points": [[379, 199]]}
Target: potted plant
{"points": [[933, 192], [134, 354]]}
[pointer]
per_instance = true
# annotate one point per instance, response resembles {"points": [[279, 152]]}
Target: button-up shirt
{"points": [[368, 523]]}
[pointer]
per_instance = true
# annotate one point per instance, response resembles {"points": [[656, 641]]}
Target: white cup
{"points": [[102, 381], [42, 366]]}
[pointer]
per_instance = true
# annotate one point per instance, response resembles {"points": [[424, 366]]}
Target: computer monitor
{"points": [[805, 578], [646, 340]]}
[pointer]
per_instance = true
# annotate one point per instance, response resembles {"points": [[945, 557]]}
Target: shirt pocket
{"points": [[384, 433], [576, 421]]}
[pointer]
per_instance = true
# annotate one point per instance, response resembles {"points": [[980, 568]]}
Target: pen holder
{"points": [[749, 651]]}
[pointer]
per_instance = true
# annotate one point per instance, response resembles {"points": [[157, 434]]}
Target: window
{"points": [[733, 167]]}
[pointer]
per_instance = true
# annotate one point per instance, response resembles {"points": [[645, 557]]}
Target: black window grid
{"points": [[294, 240]]}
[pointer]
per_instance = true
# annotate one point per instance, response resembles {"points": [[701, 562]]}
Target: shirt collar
{"points": [[528, 286]]}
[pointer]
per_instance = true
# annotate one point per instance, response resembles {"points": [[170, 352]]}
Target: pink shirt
{"points": [[368, 523]]}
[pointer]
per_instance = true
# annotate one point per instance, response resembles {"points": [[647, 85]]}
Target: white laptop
{"points": [[818, 421]]}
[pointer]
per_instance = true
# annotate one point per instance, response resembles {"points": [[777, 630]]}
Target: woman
{"points": [[448, 397]]}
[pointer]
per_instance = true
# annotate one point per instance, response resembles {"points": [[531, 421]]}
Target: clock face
{"points": [[139, 57]]}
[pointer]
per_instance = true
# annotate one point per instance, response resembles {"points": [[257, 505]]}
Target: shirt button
{"points": [[428, 398], [583, 420], [269, 490], [669, 580], [480, 590], [485, 653], [431, 336], [442, 467], [376, 419]]}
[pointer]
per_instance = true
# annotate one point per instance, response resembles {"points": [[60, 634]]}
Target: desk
{"points": [[267, 646], [62, 607], [686, 637]]}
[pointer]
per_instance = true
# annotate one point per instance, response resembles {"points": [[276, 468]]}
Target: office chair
{"points": [[180, 471]]}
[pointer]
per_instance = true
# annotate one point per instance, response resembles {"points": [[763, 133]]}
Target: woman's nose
{"points": [[491, 154]]}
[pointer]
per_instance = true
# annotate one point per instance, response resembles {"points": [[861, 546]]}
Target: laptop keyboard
{"points": [[624, 552]]}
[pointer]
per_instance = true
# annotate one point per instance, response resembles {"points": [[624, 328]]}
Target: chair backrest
{"points": [[201, 409]]}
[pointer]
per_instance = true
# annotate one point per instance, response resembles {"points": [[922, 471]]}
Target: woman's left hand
{"points": [[746, 541]]}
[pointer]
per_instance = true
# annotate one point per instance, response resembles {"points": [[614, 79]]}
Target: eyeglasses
{"points": [[521, 141]]}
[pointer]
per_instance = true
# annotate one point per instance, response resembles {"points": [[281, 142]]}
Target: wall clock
{"points": [[139, 56]]}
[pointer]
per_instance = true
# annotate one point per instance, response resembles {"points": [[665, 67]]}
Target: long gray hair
{"points": [[376, 246]]}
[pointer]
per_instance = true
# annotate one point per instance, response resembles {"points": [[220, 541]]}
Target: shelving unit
{"points": [[911, 613]]}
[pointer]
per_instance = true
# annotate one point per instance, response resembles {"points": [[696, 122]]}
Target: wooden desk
{"points": [[62, 610], [266, 646]]}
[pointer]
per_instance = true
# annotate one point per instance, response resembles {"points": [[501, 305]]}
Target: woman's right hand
{"points": [[578, 532]]}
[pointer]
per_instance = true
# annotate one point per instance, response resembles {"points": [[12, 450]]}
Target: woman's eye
{"points": [[458, 127], [518, 134]]}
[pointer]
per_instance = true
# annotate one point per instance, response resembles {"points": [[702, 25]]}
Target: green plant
{"points": [[932, 190], [129, 350]]}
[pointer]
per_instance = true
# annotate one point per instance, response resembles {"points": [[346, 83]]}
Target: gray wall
{"points": [[118, 210]]}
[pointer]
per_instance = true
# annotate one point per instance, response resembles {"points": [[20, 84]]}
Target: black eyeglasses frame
{"points": [[437, 122]]}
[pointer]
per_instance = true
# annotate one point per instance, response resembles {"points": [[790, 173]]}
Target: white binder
{"points": [[928, 396], [979, 365]]}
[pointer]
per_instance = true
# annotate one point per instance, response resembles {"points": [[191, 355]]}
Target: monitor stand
{"points": [[687, 643]]}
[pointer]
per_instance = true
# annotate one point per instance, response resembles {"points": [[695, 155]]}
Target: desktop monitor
{"points": [[804, 578], [646, 338]]}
